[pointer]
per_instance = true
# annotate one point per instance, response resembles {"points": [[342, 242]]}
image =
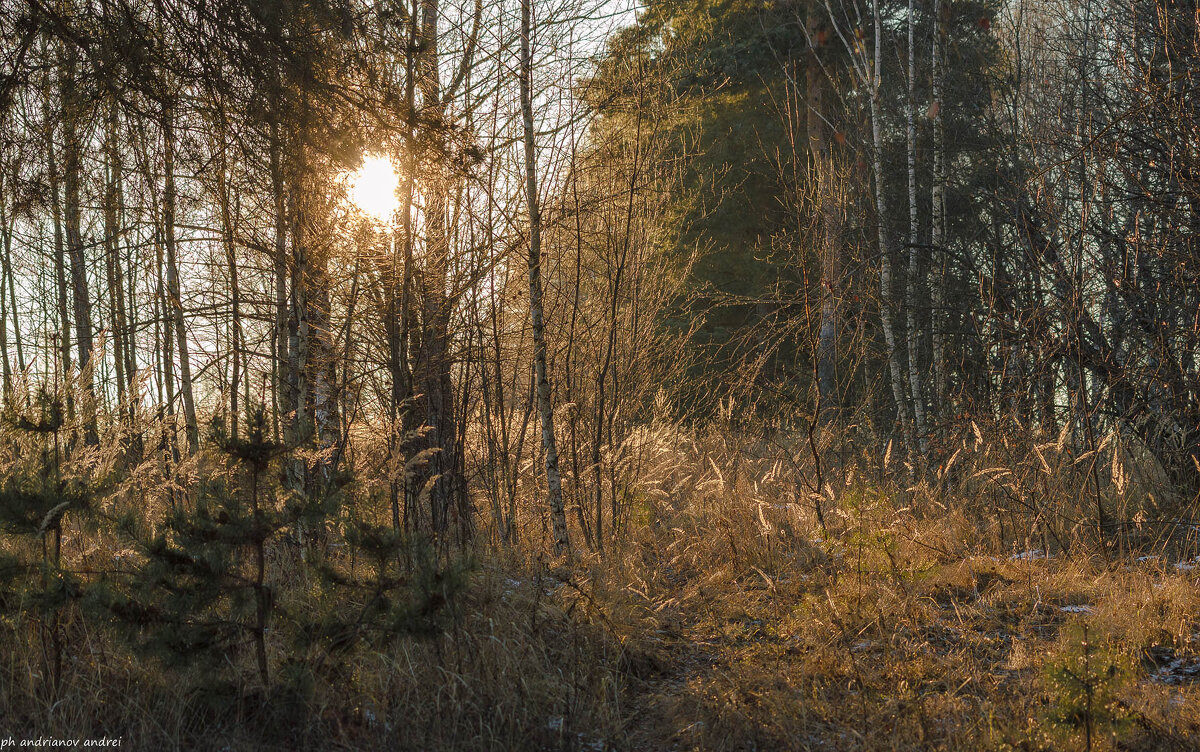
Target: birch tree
{"points": [[915, 374], [558, 518], [867, 67]]}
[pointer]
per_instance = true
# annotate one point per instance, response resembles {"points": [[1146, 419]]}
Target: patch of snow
{"points": [[1178, 671], [1036, 553]]}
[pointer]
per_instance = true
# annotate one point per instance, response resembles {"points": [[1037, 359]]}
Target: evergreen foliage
{"points": [[203, 592], [206, 592], [39, 499], [1085, 686], [733, 70]]}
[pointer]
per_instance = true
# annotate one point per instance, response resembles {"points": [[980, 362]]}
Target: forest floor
{"points": [[714, 625], [900, 644]]}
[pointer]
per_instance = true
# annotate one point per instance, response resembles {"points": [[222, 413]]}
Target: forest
{"points": [[593, 375]]}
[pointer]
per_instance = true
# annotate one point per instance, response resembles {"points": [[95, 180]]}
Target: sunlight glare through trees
{"points": [[372, 188]]}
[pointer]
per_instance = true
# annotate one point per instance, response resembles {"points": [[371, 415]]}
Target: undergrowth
{"points": [[750, 601]]}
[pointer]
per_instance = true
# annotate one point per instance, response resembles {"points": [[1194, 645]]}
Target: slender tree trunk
{"points": [[236, 343], [433, 366], [5, 271], [12, 296], [886, 282], [821, 162], [298, 334], [128, 270], [572, 358], [558, 518], [937, 230], [913, 340], [399, 293], [112, 261], [72, 168], [283, 391], [166, 352], [174, 298], [63, 334], [398, 288]]}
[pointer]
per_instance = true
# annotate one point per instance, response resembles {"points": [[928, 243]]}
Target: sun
{"points": [[372, 188]]}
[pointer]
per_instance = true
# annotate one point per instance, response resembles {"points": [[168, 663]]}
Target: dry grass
{"points": [[726, 619]]}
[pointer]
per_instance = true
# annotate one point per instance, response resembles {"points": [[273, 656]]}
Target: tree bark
{"points": [[913, 339], [63, 332], [5, 271], [72, 168], [937, 229], [558, 518], [829, 228], [886, 282], [12, 296], [236, 343], [283, 392], [112, 248], [433, 364], [174, 299]]}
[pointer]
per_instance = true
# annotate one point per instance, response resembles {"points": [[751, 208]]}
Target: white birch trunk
{"points": [[913, 339], [558, 518], [885, 246], [937, 230]]}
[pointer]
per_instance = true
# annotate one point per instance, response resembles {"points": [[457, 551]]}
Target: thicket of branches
{"points": [[916, 214], [178, 242]]}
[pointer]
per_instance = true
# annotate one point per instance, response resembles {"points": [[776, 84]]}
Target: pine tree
{"points": [[36, 497], [384, 584], [203, 590]]}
